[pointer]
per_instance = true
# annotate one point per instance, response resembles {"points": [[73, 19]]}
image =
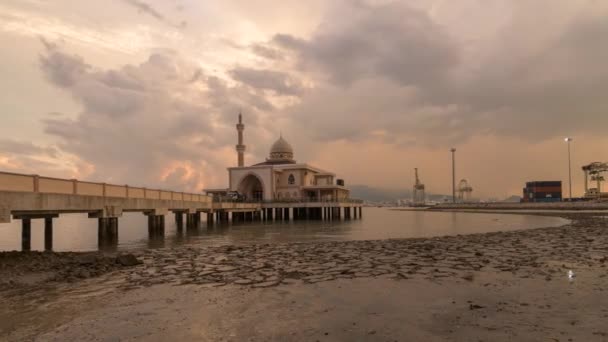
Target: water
{"points": [[75, 232]]}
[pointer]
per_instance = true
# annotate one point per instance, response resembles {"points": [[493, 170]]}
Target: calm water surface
{"points": [[76, 232]]}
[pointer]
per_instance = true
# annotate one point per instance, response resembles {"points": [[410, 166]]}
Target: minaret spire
{"points": [[240, 147]]}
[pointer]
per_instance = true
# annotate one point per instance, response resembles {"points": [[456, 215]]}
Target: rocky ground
{"points": [[489, 269], [544, 253], [32, 269]]}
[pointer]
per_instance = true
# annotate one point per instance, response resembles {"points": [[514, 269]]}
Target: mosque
{"points": [[280, 178]]}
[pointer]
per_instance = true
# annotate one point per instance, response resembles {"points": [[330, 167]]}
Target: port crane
{"points": [[419, 196], [464, 191], [594, 172]]}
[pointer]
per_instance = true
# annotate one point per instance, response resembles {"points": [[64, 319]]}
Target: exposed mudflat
{"points": [[492, 287]]}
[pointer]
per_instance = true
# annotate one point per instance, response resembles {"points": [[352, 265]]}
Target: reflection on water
{"points": [[76, 232]]}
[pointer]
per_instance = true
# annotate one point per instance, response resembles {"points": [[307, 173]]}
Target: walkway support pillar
{"points": [[26, 234], [179, 219], [48, 233]]}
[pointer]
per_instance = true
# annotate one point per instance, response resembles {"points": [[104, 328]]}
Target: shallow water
{"points": [[75, 232]]}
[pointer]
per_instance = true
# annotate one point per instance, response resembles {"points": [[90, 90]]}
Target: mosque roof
{"points": [[281, 146]]}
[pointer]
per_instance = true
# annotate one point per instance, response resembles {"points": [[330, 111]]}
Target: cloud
{"points": [[61, 69], [145, 8], [391, 40], [402, 76], [266, 52], [279, 82], [27, 148], [149, 117]]}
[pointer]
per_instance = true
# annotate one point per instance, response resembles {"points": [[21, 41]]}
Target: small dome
{"points": [[281, 150]]}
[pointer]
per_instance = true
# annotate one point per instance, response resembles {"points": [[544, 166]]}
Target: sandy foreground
{"points": [[506, 286]]}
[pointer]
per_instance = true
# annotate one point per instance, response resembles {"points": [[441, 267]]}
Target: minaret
{"points": [[240, 148]]}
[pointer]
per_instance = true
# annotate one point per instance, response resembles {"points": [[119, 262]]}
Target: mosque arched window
{"points": [[291, 180]]}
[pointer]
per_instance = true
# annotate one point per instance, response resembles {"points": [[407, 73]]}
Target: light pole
{"points": [[568, 140], [453, 150]]}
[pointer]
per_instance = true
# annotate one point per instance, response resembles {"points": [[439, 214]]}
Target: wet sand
{"points": [[489, 287]]}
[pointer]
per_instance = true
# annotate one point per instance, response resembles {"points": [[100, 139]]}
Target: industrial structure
{"points": [[542, 191], [418, 195], [464, 191], [594, 172]]}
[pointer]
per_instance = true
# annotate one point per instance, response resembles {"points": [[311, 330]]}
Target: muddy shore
{"points": [[517, 267]]}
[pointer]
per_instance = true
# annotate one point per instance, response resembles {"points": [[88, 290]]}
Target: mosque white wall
{"points": [[284, 178]]}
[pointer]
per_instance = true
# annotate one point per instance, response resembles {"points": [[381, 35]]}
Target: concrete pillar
{"points": [[209, 219], [26, 234], [102, 230], [156, 225], [179, 220], [194, 220], [107, 232], [48, 233], [188, 221], [113, 231]]}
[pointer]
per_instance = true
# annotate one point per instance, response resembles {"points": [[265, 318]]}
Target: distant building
{"points": [[280, 177], [543, 191]]}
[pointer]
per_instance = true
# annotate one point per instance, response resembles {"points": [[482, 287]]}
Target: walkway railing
{"points": [[289, 200], [38, 184]]}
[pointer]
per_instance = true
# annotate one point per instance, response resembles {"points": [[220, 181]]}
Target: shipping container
{"points": [[543, 191]]}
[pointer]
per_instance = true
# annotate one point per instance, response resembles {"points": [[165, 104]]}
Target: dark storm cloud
{"points": [[62, 69], [389, 72], [557, 91], [393, 40], [279, 82], [266, 52]]}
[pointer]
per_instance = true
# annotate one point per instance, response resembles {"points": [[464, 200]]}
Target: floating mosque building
{"points": [[280, 178]]}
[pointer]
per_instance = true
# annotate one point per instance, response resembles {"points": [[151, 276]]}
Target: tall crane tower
{"points": [[418, 194]]}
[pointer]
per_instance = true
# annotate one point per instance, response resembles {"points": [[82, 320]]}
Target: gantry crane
{"points": [[594, 172], [464, 191]]}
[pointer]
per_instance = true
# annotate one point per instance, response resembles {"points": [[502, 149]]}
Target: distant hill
{"points": [[368, 193], [512, 199], [365, 192]]}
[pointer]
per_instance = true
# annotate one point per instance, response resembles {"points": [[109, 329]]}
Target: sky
{"points": [[147, 92]]}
